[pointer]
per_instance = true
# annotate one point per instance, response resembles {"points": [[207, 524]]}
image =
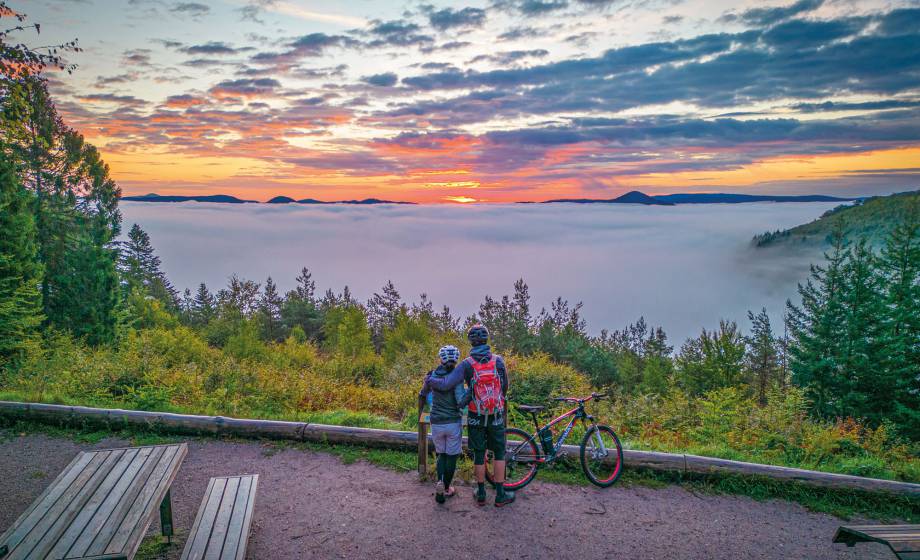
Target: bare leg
{"points": [[499, 474], [480, 472]]}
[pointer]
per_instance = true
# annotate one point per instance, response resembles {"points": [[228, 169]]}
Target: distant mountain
{"points": [[632, 197], [870, 218], [636, 197], [727, 198], [363, 201], [153, 197], [281, 200]]}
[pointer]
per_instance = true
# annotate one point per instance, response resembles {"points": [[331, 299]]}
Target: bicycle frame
{"points": [[577, 413]]}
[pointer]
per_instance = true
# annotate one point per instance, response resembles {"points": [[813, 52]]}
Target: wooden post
{"points": [[423, 420], [166, 518]]}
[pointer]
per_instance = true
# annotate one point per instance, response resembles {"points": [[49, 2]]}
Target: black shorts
{"points": [[491, 437]]}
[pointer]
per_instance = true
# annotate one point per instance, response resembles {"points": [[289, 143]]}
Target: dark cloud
{"points": [[449, 18], [669, 20], [213, 48], [510, 57], [901, 22], [191, 9], [581, 39], [449, 46], [246, 87], [769, 16], [311, 45], [864, 106], [530, 7], [396, 33], [122, 100], [136, 57], [386, 79], [522, 32]]}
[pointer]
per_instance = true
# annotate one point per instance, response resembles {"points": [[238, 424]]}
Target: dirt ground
{"points": [[310, 505]]}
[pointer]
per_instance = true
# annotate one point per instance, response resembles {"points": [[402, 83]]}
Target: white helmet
{"points": [[449, 354]]}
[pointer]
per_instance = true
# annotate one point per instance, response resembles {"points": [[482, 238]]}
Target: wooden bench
{"points": [[100, 506], [221, 528], [903, 540]]}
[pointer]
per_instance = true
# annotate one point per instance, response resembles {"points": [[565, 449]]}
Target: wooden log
{"points": [[710, 465], [193, 424]]}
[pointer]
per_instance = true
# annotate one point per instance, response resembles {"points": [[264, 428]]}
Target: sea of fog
{"points": [[682, 267]]}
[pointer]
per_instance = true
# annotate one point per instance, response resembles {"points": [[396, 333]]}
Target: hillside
{"points": [[871, 218], [632, 197], [730, 198], [153, 197]]}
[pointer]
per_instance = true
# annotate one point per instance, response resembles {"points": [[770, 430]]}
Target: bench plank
{"points": [[134, 526], [98, 495], [238, 532], [221, 528], [98, 500], [903, 540]]}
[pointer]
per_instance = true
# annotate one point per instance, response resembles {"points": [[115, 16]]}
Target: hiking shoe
{"points": [[439, 492], [506, 498], [480, 495]]}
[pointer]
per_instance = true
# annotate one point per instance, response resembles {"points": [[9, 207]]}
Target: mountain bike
{"points": [[601, 454]]}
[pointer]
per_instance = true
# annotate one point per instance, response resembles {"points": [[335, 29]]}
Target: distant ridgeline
{"points": [[636, 197], [870, 218], [228, 199]]}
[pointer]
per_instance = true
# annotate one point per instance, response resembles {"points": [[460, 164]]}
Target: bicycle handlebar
{"points": [[595, 396]]}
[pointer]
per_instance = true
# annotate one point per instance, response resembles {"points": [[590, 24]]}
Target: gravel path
{"points": [[310, 505]]}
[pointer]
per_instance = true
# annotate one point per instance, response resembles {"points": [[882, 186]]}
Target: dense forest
{"points": [[88, 316]]}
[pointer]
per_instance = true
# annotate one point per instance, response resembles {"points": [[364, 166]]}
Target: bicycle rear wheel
{"points": [[601, 460], [522, 459]]}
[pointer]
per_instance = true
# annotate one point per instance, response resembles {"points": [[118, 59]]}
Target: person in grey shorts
{"points": [[446, 421]]}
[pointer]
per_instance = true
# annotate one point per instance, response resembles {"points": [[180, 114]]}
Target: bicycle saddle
{"points": [[532, 409]]}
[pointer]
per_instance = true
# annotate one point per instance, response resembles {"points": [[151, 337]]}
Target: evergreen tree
{"points": [[714, 360], [382, 311], [899, 338], [140, 268], [816, 331], [75, 205], [20, 272], [270, 312], [762, 358], [203, 306]]}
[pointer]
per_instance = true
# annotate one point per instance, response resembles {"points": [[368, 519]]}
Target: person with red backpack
{"points": [[487, 377]]}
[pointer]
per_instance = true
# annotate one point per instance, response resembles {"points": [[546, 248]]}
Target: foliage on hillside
{"points": [[872, 220]]}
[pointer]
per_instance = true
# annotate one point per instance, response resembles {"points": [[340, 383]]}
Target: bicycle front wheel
{"points": [[601, 456], [522, 459]]}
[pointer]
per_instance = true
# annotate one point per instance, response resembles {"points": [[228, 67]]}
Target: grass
{"points": [[844, 504]]}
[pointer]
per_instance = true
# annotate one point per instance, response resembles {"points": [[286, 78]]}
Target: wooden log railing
{"points": [[189, 424]]}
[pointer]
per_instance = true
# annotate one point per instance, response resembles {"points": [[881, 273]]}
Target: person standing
{"points": [[486, 376], [446, 421]]}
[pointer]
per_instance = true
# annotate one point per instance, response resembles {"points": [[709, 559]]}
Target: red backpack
{"points": [[487, 387]]}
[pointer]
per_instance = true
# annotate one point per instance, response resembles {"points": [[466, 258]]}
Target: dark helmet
{"points": [[478, 334]]}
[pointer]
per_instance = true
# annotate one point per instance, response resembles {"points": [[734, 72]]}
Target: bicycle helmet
{"points": [[478, 334], [449, 354]]}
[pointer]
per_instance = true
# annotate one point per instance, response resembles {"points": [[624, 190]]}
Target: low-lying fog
{"points": [[683, 267]]}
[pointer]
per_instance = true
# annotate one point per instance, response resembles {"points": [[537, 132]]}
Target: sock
{"points": [[440, 466], [481, 486], [499, 490], [450, 465]]}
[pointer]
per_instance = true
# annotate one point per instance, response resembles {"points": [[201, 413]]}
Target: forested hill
{"points": [[872, 219]]}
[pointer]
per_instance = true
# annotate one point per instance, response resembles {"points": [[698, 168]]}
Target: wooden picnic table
{"points": [[99, 507], [903, 540]]}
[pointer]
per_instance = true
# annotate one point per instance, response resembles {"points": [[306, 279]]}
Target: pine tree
{"points": [[816, 331], [899, 339], [306, 287], [203, 306], [382, 310], [270, 311], [762, 357], [20, 272], [139, 266]]}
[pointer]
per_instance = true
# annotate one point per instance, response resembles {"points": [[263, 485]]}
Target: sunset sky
{"points": [[493, 101]]}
